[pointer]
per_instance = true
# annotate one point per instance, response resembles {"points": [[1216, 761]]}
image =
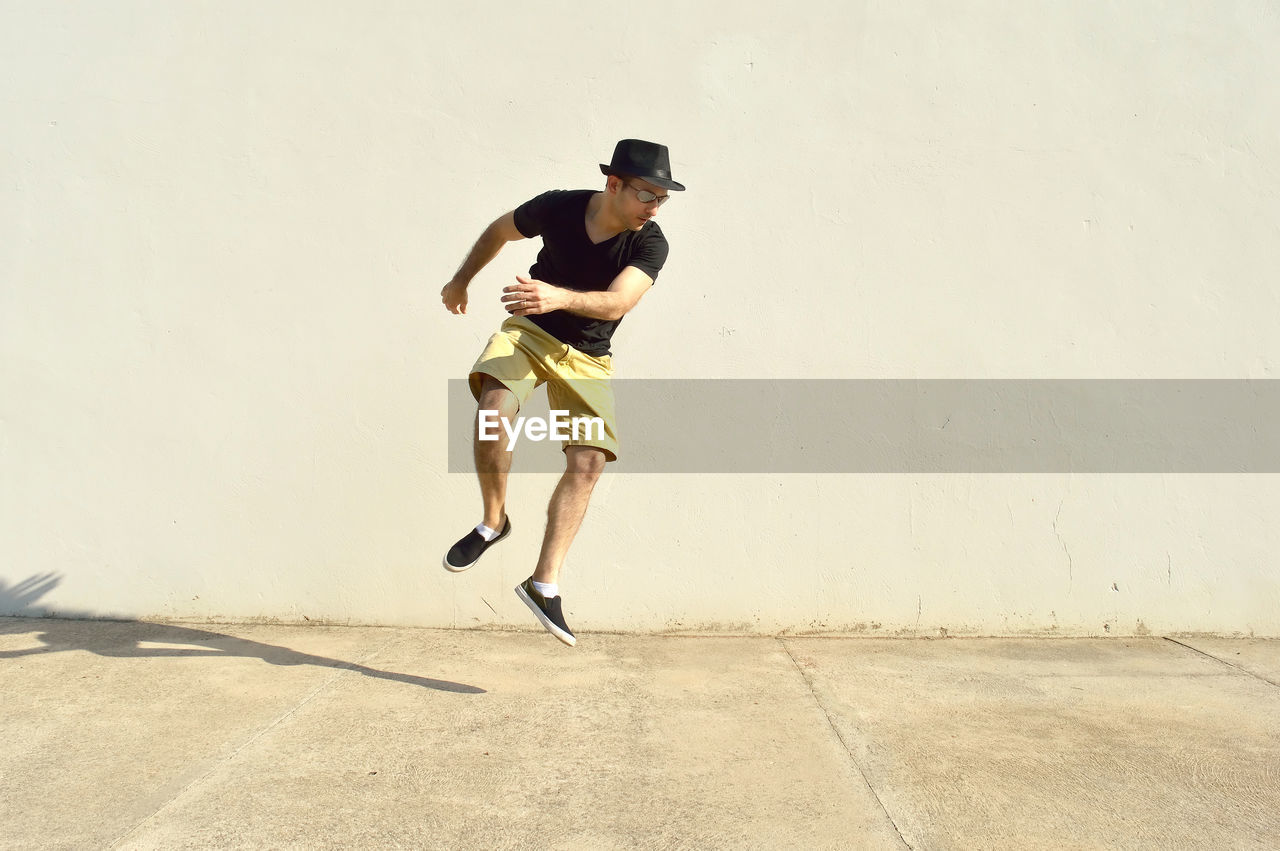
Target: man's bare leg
{"points": [[568, 505], [493, 461]]}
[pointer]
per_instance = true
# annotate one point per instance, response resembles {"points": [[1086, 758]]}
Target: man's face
{"points": [[631, 208]]}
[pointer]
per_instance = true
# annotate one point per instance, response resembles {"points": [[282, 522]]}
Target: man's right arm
{"points": [[501, 231]]}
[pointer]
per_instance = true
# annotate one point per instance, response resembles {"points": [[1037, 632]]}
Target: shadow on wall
{"points": [[125, 639], [17, 599]]}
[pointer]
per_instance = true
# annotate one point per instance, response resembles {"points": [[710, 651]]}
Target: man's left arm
{"points": [[529, 296]]}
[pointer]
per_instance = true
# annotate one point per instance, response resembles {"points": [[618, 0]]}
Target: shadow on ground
{"points": [[127, 639]]}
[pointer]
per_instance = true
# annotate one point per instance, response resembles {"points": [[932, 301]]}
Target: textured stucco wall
{"points": [[224, 362]]}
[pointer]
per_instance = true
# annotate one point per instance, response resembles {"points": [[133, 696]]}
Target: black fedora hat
{"points": [[649, 160]]}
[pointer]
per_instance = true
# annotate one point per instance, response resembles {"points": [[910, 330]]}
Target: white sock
{"points": [[485, 532], [547, 589]]}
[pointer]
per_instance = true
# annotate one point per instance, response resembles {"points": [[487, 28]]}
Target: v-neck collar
{"points": [[587, 233]]}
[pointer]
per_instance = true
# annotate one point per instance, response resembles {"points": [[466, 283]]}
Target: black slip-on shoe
{"points": [[548, 612], [467, 551]]}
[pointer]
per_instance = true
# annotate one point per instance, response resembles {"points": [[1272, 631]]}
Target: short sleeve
{"points": [[650, 254], [530, 217]]}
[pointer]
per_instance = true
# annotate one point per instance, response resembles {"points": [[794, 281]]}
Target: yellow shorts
{"points": [[523, 356]]}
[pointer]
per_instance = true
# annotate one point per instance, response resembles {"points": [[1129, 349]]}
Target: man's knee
{"points": [[494, 396], [586, 462]]}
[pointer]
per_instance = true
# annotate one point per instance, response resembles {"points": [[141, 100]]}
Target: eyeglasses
{"points": [[644, 196]]}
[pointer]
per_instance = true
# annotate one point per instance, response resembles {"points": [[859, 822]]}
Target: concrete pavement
{"points": [[148, 735]]}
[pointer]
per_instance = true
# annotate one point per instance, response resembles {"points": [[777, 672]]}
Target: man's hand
{"points": [[454, 296], [530, 296], [499, 232]]}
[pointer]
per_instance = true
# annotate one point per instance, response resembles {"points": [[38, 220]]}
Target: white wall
{"points": [[225, 362]]}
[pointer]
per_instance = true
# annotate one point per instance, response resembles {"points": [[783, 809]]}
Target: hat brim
{"points": [[665, 183]]}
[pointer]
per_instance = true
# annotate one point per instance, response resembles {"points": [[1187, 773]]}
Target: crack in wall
{"points": [[1063, 542]]}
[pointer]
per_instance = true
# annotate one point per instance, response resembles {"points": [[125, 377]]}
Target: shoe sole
{"points": [[453, 568], [543, 619]]}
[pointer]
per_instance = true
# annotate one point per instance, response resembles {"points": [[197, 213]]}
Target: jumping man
{"points": [[601, 251]]}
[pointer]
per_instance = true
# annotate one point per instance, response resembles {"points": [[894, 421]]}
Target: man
{"points": [[601, 251]]}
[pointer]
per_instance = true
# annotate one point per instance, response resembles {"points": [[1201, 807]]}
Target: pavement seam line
{"points": [[1239, 668], [849, 752], [339, 671]]}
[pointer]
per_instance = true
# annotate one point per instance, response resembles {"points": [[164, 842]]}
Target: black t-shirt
{"points": [[569, 259]]}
